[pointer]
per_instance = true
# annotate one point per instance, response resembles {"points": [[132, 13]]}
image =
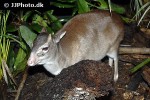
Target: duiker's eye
{"points": [[40, 54], [45, 49]]}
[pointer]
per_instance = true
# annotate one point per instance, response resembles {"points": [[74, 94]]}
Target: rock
{"points": [[85, 80]]}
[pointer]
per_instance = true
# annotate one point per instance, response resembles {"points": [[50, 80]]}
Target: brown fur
{"points": [[84, 26]]}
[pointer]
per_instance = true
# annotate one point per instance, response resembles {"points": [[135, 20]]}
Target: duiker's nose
{"points": [[32, 60]]}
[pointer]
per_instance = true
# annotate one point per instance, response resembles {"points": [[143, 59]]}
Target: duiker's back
{"points": [[91, 35]]}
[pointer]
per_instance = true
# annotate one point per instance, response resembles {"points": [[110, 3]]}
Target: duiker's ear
{"points": [[49, 38], [43, 30], [58, 36]]}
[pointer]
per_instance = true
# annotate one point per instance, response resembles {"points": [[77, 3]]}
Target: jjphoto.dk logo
{"points": [[6, 5], [23, 5]]}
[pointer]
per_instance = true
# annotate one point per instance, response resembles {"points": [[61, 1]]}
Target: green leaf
{"points": [[1, 74], [49, 30], [27, 35], [82, 6], [56, 24], [27, 15], [11, 28], [20, 67], [11, 58], [21, 57], [39, 20], [36, 27], [117, 8], [103, 4], [50, 16], [127, 20], [62, 5]]}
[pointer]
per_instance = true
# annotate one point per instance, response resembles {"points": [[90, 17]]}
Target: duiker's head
{"points": [[44, 49]]}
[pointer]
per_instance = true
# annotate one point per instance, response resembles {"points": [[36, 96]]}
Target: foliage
{"points": [[136, 5], [82, 6], [7, 57], [141, 8], [147, 6], [4, 44], [27, 35]]}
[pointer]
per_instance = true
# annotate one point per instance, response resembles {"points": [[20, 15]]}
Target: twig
{"points": [[133, 50], [21, 84], [9, 72], [4, 72]]}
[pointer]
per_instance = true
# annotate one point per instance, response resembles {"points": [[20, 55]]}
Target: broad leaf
{"points": [[49, 30], [103, 4], [11, 58], [20, 67], [39, 20], [117, 8], [21, 57], [56, 24], [27, 35], [27, 15], [50, 16], [11, 28], [82, 6], [36, 27]]}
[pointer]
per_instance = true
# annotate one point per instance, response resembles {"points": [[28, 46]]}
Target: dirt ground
{"points": [[128, 87]]}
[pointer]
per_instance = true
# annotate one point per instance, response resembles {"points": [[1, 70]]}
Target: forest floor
{"points": [[128, 87]]}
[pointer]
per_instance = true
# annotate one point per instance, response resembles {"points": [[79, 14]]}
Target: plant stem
{"points": [[134, 69]]}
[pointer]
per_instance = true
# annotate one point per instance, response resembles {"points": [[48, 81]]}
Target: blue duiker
{"points": [[91, 35]]}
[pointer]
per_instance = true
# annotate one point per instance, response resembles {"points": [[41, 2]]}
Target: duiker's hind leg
{"points": [[110, 61], [113, 58]]}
